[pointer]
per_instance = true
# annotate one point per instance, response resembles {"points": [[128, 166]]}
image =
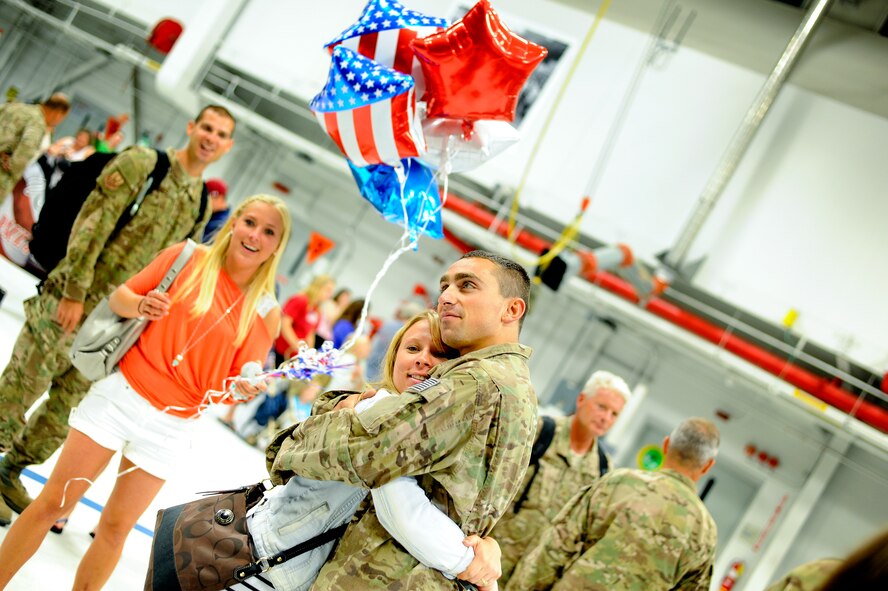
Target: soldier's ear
{"points": [[515, 309], [707, 467]]}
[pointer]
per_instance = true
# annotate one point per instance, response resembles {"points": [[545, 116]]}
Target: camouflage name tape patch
{"points": [[424, 385]]}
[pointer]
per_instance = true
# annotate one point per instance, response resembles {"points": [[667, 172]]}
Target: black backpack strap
{"points": [[602, 458], [265, 563], [204, 199], [152, 183], [542, 443]]}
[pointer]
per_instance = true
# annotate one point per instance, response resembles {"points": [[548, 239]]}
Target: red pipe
{"points": [[822, 388], [456, 241], [484, 218]]}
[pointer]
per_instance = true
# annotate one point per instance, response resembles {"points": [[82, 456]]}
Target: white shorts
{"points": [[117, 417]]}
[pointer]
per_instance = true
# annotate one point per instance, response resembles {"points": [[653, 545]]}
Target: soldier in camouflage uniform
{"points": [[95, 264], [633, 530], [465, 432], [570, 463], [807, 577], [22, 131]]}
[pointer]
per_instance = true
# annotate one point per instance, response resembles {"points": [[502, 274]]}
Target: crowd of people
{"points": [[434, 424]]}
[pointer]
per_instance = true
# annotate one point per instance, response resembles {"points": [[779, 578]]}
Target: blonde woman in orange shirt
{"points": [[218, 314]]}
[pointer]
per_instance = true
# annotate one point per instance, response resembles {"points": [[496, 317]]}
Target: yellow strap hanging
{"points": [[572, 229]]}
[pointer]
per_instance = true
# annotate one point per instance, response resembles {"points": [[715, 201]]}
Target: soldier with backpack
{"points": [[568, 455], [101, 253], [22, 132]]}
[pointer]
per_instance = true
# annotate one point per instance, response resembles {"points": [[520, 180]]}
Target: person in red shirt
{"points": [[219, 314], [301, 315]]}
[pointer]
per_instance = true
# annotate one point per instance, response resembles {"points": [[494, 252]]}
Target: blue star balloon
{"points": [[379, 184]]}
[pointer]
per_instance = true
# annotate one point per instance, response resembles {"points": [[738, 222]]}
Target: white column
{"points": [[786, 532], [194, 48]]}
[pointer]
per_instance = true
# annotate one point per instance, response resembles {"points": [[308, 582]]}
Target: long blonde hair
{"points": [[313, 291], [206, 272], [388, 363]]}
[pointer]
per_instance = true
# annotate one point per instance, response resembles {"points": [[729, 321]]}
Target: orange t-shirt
{"points": [[210, 359]]}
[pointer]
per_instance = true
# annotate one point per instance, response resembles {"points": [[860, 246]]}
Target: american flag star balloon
{"points": [[385, 33], [368, 110]]}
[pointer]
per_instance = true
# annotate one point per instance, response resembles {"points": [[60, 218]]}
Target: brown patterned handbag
{"points": [[205, 545], [200, 545]]}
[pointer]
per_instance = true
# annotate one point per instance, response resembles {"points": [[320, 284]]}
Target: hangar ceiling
{"points": [[840, 63]]}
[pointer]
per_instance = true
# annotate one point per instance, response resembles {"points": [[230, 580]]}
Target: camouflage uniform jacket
{"points": [[808, 577], [560, 474], [466, 433], [22, 128], [97, 262], [630, 531]]}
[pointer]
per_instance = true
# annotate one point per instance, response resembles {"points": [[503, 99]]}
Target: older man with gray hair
{"points": [[633, 529], [567, 456]]}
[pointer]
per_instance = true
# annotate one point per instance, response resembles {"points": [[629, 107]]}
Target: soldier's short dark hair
{"points": [[694, 442], [512, 278], [218, 110], [59, 102]]}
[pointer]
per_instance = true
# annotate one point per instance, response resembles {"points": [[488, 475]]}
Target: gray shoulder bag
{"points": [[105, 337]]}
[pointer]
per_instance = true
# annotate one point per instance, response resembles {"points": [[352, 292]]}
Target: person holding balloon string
{"points": [[219, 316], [401, 505]]}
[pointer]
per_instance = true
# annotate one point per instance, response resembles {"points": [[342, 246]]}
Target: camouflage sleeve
{"points": [[274, 447], [405, 435], [322, 404], [115, 190], [807, 577], [27, 148], [699, 578], [327, 401], [557, 547]]}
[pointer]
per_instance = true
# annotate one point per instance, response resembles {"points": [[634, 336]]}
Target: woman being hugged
{"points": [[219, 314], [400, 506]]}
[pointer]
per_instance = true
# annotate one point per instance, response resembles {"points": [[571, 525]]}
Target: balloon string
{"points": [[513, 212], [406, 242]]}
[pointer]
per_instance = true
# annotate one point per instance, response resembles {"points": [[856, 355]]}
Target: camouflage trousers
{"points": [[515, 534], [39, 361]]}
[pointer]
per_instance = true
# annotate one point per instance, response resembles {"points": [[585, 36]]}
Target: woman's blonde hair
{"points": [[313, 291], [206, 273], [388, 363]]}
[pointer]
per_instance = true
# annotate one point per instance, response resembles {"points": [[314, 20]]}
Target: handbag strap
{"points": [[263, 564], [177, 265]]}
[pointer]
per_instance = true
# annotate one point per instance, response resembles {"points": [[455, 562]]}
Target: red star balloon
{"points": [[476, 68]]}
